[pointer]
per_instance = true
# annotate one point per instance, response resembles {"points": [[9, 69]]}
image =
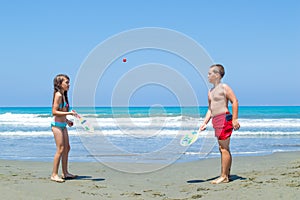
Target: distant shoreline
{"points": [[167, 106]]}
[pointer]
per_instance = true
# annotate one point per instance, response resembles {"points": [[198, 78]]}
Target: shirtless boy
{"points": [[223, 122]]}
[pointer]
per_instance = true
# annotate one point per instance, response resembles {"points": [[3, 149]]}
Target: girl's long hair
{"points": [[57, 81]]}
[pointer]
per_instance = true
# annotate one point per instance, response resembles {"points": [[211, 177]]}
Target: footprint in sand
{"points": [[130, 194], [272, 180], [147, 190], [202, 189], [158, 194], [196, 196], [293, 183]]}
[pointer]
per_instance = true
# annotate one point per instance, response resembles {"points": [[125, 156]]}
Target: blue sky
{"points": [[257, 41]]}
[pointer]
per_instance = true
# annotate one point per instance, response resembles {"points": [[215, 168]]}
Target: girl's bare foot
{"points": [[220, 180], [57, 179]]}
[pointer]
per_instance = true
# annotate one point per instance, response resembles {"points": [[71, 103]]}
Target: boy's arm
{"points": [[235, 106], [205, 121], [207, 116]]}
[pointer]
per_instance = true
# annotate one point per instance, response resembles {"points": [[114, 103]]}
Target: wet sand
{"points": [[275, 176]]}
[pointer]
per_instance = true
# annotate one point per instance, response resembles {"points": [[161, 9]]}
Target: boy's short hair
{"points": [[218, 69]]}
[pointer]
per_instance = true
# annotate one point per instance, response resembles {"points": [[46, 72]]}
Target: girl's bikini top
{"points": [[64, 105]]}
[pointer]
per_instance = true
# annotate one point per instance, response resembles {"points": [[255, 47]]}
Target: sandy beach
{"points": [[275, 176]]}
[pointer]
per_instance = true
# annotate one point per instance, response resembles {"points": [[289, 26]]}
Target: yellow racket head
{"points": [[189, 138]]}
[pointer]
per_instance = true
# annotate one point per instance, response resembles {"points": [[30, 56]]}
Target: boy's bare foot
{"points": [[220, 180], [68, 176], [57, 179]]}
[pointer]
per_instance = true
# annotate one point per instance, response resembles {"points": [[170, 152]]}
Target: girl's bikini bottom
{"points": [[61, 125]]}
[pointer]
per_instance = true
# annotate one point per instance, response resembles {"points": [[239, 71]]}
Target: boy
{"points": [[223, 122]]}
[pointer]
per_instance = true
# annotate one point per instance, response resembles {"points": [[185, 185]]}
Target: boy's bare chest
{"points": [[218, 94]]}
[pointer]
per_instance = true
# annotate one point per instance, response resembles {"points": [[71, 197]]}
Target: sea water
{"points": [[146, 134]]}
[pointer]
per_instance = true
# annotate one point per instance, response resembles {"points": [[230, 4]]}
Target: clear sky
{"points": [[258, 42]]}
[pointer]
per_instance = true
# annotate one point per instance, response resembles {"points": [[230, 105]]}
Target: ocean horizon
{"points": [[146, 134]]}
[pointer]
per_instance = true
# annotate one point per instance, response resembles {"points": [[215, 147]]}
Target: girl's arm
{"points": [[55, 106]]}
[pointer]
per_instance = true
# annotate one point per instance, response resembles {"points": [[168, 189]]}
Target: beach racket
{"points": [[83, 122], [189, 138]]}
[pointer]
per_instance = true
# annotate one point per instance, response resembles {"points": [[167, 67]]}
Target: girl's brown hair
{"points": [[57, 81]]}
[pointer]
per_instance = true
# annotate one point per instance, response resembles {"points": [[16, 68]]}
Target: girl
{"points": [[60, 109]]}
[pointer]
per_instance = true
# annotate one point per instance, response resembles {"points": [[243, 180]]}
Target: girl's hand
{"points": [[74, 113], [70, 123]]}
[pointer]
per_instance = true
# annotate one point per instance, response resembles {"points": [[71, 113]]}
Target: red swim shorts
{"points": [[223, 126]]}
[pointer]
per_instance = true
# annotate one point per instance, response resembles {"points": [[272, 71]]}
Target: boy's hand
{"points": [[202, 127], [235, 124]]}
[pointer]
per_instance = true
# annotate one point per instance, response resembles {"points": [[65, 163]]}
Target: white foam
{"points": [[248, 123], [263, 133], [32, 133], [24, 119], [164, 125]]}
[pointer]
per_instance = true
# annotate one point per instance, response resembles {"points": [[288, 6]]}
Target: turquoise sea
{"points": [[146, 134]]}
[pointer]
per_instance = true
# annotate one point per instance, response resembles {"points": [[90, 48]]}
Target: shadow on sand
{"points": [[88, 178], [232, 178]]}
